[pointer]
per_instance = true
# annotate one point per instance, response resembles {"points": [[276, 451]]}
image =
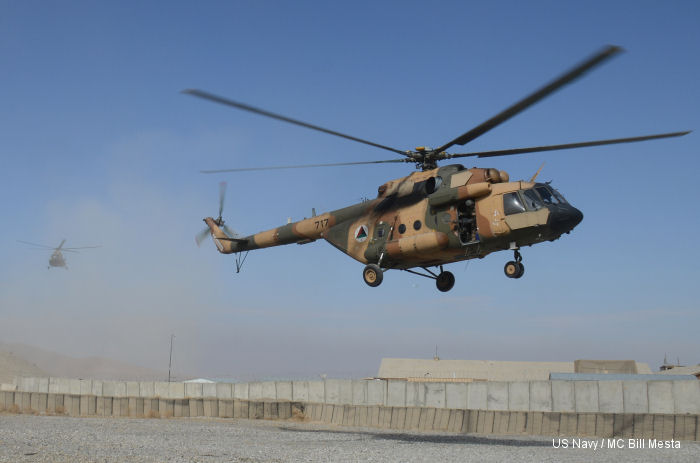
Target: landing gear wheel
{"points": [[512, 269], [445, 281], [373, 275], [521, 270]]}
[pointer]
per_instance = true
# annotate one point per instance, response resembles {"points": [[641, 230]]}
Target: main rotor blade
{"points": [[229, 231], [528, 101], [39, 245], [262, 112], [535, 149], [222, 195], [83, 247], [302, 166]]}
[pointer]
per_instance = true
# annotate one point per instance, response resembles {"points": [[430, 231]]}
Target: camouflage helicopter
{"points": [[57, 259], [436, 216]]}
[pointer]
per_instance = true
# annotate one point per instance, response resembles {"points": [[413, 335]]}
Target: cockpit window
{"points": [[512, 204], [550, 195], [546, 195], [532, 200]]}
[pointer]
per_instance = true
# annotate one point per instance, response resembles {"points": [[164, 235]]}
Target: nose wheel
{"points": [[515, 268], [445, 281], [373, 275]]}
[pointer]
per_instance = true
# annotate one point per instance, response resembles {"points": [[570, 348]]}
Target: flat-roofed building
{"points": [[495, 370]]}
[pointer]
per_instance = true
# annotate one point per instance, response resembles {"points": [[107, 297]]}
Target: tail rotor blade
{"points": [[222, 196], [230, 232], [201, 236]]}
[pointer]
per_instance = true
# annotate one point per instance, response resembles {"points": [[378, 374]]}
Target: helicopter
{"points": [[437, 215], [57, 259]]}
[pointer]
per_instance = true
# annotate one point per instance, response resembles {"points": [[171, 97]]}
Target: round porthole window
{"points": [[416, 225], [402, 229]]}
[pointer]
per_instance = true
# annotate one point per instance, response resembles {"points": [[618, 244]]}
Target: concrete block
{"points": [[477, 396], [284, 390], [519, 396], [668, 423], [487, 423], [327, 413], [166, 408], [456, 419], [211, 408], [398, 418], [563, 396], [442, 419], [660, 394], [550, 423], [317, 391], [193, 390], [74, 386], [255, 391], [586, 424], [284, 409], [497, 395], [132, 389], [59, 386], [181, 408], [85, 386], [501, 421], [586, 396], [196, 405], [456, 396], [96, 388], [362, 415], [109, 388], [568, 424], [396, 393], [26, 401], [209, 390], [224, 391], [359, 392], [373, 415], [256, 410], [75, 405], [25, 384], [435, 395], [686, 397], [339, 391], [540, 396], [120, 389], [610, 398], [349, 415], [237, 411], [40, 404], [627, 425], [338, 414], [518, 420], [647, 426], [638, 425], [415, 394], [317, 412], [83, 405], [412, 417], [426, 420], [43, 385], [147, 389], [176, 390], [300, 390], [471, 421], [269, 390], [604, 425], [684, 428], [635, 397], [376, 392], [241, 391]]}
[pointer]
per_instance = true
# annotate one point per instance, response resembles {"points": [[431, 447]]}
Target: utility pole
{"points": [[170, 363]]}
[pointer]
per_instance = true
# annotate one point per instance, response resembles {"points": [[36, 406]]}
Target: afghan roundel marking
{"points": [[361, 233]]}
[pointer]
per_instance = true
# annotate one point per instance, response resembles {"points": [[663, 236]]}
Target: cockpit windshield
{"points": [[549, 195], [532, 200]]}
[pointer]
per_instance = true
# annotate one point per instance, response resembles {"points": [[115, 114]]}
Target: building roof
{"points": [[691, 370], [476, 370]]}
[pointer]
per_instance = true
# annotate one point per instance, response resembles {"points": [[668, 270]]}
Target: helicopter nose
{"points": [[564, 219]]}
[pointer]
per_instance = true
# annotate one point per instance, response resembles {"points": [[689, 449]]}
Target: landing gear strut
{"points": [[444, 281], [373, 275], [515, 269]]}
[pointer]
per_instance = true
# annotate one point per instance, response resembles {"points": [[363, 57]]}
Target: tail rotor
{"points": [[219, 221]]}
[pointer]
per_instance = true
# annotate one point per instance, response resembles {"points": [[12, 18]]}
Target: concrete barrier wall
{"points": [[655, 397], [683, 427]]}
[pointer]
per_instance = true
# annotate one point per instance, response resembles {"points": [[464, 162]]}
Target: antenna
{"points": [[436, 354], [170, 362]]}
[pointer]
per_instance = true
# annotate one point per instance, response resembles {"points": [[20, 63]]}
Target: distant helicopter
{"points": [[436, 216], [57, 259]]}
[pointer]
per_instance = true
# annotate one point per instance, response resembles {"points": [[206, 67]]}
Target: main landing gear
{"points": [[515, 269], [444, 281]]}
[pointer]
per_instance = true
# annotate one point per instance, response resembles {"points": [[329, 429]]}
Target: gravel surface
{"points": [[26, 438]]}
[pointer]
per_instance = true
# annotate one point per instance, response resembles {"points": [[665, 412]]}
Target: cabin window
{"points": [[380, 232], [417, 225], [402, 229], [512, 204]]}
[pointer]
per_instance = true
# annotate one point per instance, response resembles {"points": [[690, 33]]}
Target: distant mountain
{"points": [[12, 365], [23, 360]]}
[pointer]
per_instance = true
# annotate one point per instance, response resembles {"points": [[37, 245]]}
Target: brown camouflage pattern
{"points": [[414, 221]]}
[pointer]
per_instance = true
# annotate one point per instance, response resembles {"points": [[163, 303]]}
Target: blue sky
{"points": [[99, 147]]}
